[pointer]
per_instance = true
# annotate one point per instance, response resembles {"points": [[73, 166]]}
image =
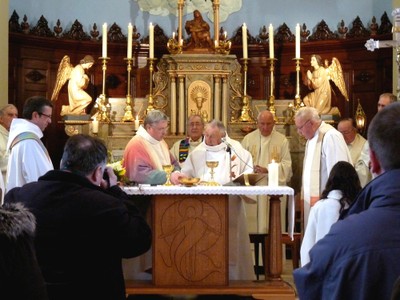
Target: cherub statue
{"points": [[318, 81], [78, 81]]}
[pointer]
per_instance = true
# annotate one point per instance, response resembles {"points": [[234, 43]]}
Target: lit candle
{"points": [[104, 50], [271, 41], [273, 174], [225, 35], [244, 40], [173, 35], [129, 51], [151, 40], [297, 41], [95, 126], [137, 122]]}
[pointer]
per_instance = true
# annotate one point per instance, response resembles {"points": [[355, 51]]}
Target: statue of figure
{"points": [[199, 31], [78, 81], [199, 96], [319, 81]]}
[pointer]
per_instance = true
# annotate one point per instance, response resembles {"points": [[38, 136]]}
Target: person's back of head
{"points": [[383, 138], [154, 117], [35, 104], [343, 177], [83, 154]]}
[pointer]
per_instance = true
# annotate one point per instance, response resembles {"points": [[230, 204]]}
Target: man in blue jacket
{"points": [[85, 224], [360, 257]]}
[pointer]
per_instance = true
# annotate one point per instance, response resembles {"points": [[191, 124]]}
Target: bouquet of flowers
{"points": [[118, 169]]}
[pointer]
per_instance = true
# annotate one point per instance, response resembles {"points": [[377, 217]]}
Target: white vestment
{"points": [[359, 151], [175, 149], [29, 158], [333, 148], [239, 161], [322, 215]]}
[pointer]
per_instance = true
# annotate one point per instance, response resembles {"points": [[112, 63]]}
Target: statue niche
{"points": [[199, 32], [200, 99]]}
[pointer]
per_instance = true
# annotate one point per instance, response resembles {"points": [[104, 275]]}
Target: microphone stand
{"points": [[229, 150]]}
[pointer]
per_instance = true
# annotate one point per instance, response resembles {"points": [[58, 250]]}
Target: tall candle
{"points": [[104, 48], [129, 50], [297, 40], [151, 40], [271, 41], [244, 40], [273, 174]]}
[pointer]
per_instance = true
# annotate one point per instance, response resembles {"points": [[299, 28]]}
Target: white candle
{"points": [[225, 35], [273, 174], [95, 126], [244, 40], [297, 41], [137, 122], [271, 41], [151, 40], [173, 35], [104, 48], [129, 50]]}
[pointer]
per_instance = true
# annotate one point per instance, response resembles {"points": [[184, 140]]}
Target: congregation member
{"points": [[360, 256], [266, 144], [358, 148], [85, 224], [181, 149], [324, 148], [230, 165], [341, 189], [385, 99], [20, 275], [29, 158], [7, 114], [147, 152]]}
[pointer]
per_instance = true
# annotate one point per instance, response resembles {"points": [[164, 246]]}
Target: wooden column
{"points": [[274, 270]]}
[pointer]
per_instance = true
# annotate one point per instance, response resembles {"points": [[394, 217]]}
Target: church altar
{"points": [[201, 212]]}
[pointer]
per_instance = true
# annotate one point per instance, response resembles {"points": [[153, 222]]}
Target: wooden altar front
{"points": [[190, 229]]}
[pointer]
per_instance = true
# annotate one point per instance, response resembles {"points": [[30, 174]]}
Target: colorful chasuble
{"points": [[26, 136], [184, 150]]}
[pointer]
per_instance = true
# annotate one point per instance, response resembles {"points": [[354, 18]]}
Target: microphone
{"points": [[230, 147]]}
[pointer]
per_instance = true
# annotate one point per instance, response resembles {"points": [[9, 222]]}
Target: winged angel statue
{"points": [[319, 81], [78, 81]]}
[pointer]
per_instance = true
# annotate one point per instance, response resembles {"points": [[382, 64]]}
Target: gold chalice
{"points": [[168, 169], [212, 164]]}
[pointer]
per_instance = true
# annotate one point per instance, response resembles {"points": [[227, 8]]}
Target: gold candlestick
{"points": [[174, 46], [297, 100], [102, 105], [128, 117], [245, 115], [271, 100], [150, 102]]}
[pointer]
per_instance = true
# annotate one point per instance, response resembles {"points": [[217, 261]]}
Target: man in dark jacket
{"points": [[85, 225], [360, 257]]}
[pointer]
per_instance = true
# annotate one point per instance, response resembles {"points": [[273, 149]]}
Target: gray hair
{"points": [[383, 136], [4, 109], [217, 124], [154, 117], [309, 113]]}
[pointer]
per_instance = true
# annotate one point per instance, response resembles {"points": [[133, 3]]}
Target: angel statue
{"points": [[319, 81], [78, 81]]}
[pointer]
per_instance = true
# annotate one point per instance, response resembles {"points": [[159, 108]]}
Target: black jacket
{"points": [[83, 232]]}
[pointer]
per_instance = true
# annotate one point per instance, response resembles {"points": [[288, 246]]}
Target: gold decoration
{"points": [[361, 118], [128, 108]]}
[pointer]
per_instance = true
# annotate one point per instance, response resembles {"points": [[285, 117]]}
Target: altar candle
{"points": [[244, 40], [298, 40], [173, 35], [271, 41], [104, 49], [95, 126], [273, 174], [151, 40], [129, 51], [137, 122]]}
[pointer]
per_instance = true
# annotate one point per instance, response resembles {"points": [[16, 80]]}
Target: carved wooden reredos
{"points": [[36, 50]]}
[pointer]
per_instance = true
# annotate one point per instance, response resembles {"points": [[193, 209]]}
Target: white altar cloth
{"points": [[145, 189]]}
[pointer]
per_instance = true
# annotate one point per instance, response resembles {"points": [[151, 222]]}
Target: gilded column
{"points": [[216, 20], [225, 105], [217, 97], [174, 121]]}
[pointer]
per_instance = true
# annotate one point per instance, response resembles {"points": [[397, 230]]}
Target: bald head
{"points": [[265, 122]]}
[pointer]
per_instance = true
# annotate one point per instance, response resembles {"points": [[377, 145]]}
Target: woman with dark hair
{"points": [[340, 191]]}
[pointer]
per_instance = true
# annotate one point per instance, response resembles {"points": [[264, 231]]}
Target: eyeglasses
{"points": [[301, 127], [42, 114]]}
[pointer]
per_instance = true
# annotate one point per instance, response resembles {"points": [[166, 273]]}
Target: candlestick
{"points": [[244, 40], [104, 48], [271, 41], [297, 41], [297, 100], [271, 101], [273, 174], [137, 122], [151, 40], [128, 117], [129, 49], [150, 102]]}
